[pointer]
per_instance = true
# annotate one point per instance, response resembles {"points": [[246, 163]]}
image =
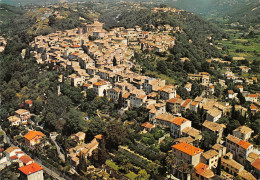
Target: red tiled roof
{"points": [[244, 144], [32, 134], [256, 164], [253, 107], [147, 125], [28, 101], [75, 46], [30, 169], [13, 157], [203, 170], [179, 120], [186, 102], [187, 148], [25, 159], [252, 95]]}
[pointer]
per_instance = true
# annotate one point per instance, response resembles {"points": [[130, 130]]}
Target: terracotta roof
{"points": [[230, 92], [140, 96], [32, 134], [187, 148], [13, 119], [25, 159], [21, 111], [246, 175], [191, 132], [28, 101], [172, 100], [126, 95], [99, 136], [179, 120], [256, 164], [194, 103], [30, 169], [100, 83], [209, 154], [147, 125], [243, 129], [186, 102], [213, 126], [165, 117], [252, 95], [13, 157], [253, 107], [252, 156], [231, 163], [214, 112], [75, 46], [238, 141], [11, 149], [187, 140], [218, 147], [203, 170]]}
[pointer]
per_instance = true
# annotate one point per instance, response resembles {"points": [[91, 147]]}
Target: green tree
{"points": [[142, 175], [115, 133]]}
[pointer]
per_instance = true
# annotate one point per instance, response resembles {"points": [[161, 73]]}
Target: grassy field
{"points": [[248, 48], [113, 165]]}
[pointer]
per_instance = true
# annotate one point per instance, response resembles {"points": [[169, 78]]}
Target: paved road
{"points": [[61, 156]]}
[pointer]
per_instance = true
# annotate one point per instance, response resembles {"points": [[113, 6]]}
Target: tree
{"points": [[210, 139], [142, 175], [115, 133], [171, 162]]}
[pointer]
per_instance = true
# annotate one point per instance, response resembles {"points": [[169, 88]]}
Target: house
{"points": [[113, 93], [23, 114], [254, 109], [188, 86], [11, 151], [220, 149], [213, 115], [177, 125], [79, 137], [137, 98], [147, 127], [187, 153], [202, 171], [210, 157], [239, 148], [188, 140], [101, 87], [174, 105], [192, 132], [215, 128], [194, 106], [252, 98], [234, 168], [241, 88], [163, 120], [25, 160], [244, 69], [14, 120], [185, 105], [32, 171], [152, 84], [243, 132], [256, 167], [29, 102], [167, 92], [33, 137], [231, 94]]}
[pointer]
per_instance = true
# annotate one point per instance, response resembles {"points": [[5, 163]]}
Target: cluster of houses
{"points": [[82, 150], [101, 60], [236, 158], [28, 168]]}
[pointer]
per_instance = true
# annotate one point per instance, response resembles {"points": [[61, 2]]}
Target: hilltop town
{"points": [[92, 108]]}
